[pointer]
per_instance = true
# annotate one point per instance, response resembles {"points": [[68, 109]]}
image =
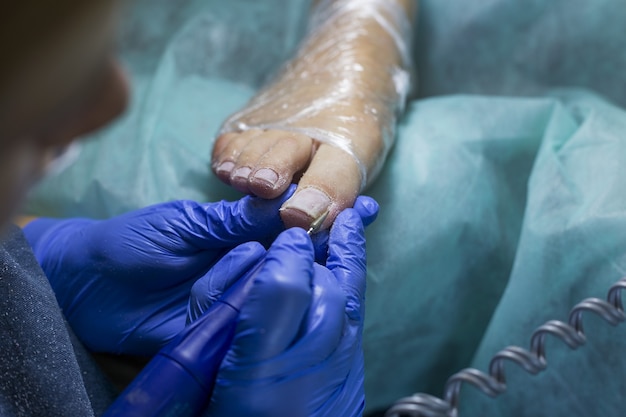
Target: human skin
{"points": [[265, 161], [65, 85]]}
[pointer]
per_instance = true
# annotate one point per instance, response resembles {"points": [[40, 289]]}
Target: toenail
{"points": [[243, 172], [225, 167], [311, 201], [266, 175]]}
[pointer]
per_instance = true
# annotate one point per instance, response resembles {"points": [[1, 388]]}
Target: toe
{"points": [[261, 162], [274, 170], [227, 150], [331, 183]]}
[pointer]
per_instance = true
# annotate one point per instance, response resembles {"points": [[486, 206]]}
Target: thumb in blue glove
{"points": [[124, 283]]}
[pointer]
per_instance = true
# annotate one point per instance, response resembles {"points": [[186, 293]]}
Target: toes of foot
{"points": [[267, 183], [262, 182], [239, 178], [223, 169], [229, 157], [262, 163]]}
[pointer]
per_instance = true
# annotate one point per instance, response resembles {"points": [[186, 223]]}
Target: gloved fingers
{"points": [[367, 208], [319, 336], [221, 276], [324, 325], [320, 243], [250, 218], [278, 301], [347, 259]]}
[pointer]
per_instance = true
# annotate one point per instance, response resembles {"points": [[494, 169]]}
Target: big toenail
{"points": [[311, 201], [266, 175], [225, 167], [243, 172]]}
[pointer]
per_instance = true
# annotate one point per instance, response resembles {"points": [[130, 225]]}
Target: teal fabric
{"points": [[501, 203], [498, 214], [572, 246], [518, 48]]}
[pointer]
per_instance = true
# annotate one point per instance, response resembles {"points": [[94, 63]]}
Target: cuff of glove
{"points": [[37, 231]]}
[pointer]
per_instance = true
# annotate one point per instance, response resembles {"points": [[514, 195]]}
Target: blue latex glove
{"points": [[124, 283], [297, 350]]}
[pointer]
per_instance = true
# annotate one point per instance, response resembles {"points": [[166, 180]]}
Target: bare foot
{"points": [[326, 122]]}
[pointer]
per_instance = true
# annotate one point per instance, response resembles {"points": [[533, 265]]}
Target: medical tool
{"points": [[317, 223], [179, 380], [532, 361]]}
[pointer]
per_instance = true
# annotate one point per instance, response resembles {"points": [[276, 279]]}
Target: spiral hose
{"points": [[532, 361]]}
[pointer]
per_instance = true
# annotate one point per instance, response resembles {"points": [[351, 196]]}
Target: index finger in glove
{"points": [[323, 327], [278, 301], [347, 259], [221, 276], [367, 208], [303, 349]]}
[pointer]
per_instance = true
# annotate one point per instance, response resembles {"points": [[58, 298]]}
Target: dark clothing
{"points": [[44, 369]]}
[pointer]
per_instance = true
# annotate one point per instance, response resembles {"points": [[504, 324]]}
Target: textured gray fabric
{"points": [[41, 372]]}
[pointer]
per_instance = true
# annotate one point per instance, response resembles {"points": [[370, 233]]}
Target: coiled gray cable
{"points": [[532, 361]]}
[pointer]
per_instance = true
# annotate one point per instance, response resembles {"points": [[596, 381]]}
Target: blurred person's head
{"points": [[58, 81]]}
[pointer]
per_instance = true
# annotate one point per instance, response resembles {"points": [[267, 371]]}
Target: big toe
{"points": [[330, 184]]}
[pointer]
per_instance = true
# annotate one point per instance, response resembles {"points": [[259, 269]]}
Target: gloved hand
{"points": [[124, 283], [297, 349]]}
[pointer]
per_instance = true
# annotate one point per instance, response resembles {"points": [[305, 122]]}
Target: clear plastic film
{"points": [[347, 85]]}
